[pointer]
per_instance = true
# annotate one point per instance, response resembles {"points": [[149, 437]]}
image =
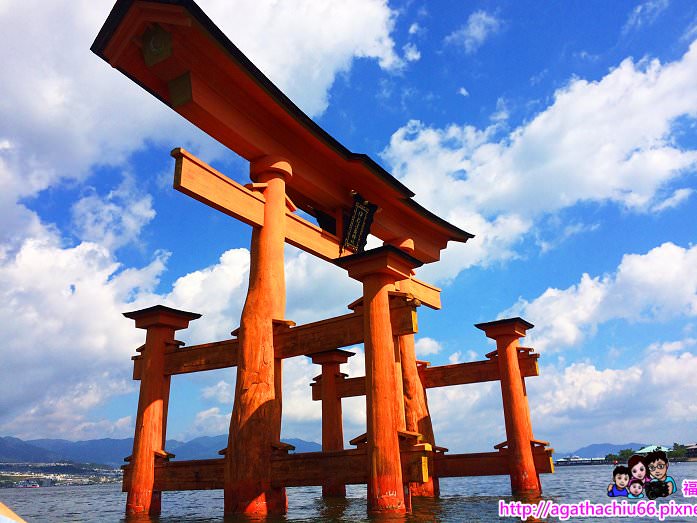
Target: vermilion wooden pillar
{"points": [[524, 479], [256, 416], [378, 269], [417, 415], [418, 418], [332, 423], [148, 443]]}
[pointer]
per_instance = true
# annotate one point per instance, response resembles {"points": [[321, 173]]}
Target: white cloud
{"points": [[411, 52], [644, 14], [656, 286], [298, 406], [217, 292], [67, 347], [415, 28], [324, 39], [478, 405], [116, 219], [502, 112], [605, 141], [585, 55], [66, 122], [579, 404], [425, 346], [80, 113], [61, 313], [222, 392], [567, 231], [678, 197], [316, 289], [301, 415], [461, 356], [690, 33], [479, 27], [671, 346], [455, 357], [354, 409], [211, 422], [62, 303], [463, 92]]}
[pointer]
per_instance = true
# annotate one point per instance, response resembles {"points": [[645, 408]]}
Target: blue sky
{"points": [[561, 134]]}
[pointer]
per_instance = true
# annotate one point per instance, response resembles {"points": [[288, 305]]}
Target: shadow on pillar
{"points": [[248, 484]]}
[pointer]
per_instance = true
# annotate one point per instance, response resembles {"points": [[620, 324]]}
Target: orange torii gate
{"points": [[173, 50]]}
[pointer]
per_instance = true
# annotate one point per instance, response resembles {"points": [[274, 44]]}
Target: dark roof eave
{"points": [[459, 235]]}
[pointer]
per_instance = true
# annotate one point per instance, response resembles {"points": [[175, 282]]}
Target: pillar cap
{"points": [[331, 356], [506, 327], [395, 297], [160, 315], [270, 164], [387, 259]]}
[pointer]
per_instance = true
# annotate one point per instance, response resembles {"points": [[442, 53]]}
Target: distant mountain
{"points": [[106, 451], [204, 447], [600, 450], [303, 446], [109, 451], [207, 447], [14, 450]]}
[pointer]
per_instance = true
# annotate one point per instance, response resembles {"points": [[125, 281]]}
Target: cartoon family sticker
{"points": [[643, 476]]}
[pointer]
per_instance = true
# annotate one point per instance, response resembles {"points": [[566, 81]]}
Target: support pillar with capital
{"points": [[332, 422], [255, 425], [378, 269], [525, 481], [160, 323]]}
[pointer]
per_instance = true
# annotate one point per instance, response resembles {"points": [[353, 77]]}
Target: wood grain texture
{"points": [[255, 424]]}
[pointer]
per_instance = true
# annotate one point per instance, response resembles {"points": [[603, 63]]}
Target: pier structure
{"points": [[175, 52]]}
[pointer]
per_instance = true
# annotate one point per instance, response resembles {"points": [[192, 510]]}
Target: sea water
{"points": [[462, 499]]}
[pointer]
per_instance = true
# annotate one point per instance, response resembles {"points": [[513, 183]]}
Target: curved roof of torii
{"points": [[203, 76]]}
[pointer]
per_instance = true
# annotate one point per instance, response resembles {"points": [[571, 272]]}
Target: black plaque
{"points": [[357, 228]]}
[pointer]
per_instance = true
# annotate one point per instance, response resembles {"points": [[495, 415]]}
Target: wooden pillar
{"points": [[332, 423], [417, 415], [171, 344], [256, 416], [400, 416], [378, 269], [148, 443], [524, 479]]}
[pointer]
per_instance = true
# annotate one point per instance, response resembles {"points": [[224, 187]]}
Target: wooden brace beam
{"points": [[307, 339], [442, 376], [347, 467], [487, 463], [202, 182], [292, 470], [199, 180]]}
